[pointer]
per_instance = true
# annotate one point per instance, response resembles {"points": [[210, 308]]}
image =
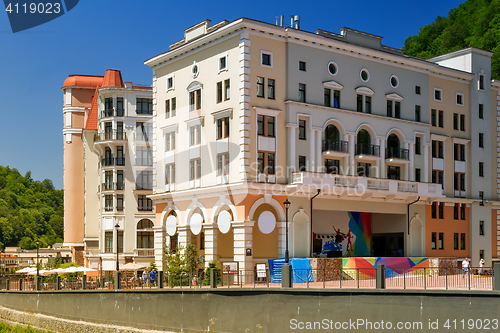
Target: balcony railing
{"points": [[110, 136], [144, 187], [366, 149], [144, 252], [400, 153], [108, 161], [339, 146], [408, 186], [377, 184], [112, 113], [143, 162], [120, 161], [113, 186]]}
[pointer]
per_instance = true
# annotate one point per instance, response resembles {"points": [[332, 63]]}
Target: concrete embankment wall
{"points": [[272, 310]]}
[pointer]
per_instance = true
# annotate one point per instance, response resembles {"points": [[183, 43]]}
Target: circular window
{"points": [[394, 81], [365, 75], [332, 68], [195, 70]]}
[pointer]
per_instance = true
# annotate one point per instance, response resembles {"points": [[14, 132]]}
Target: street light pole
{"points": [[286, 269], [117, 271], [37, 269], [287, 205]]}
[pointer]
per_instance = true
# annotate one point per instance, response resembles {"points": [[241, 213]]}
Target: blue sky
{"points": [[98, 35]]}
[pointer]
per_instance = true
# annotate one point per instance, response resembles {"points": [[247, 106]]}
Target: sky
{"points": [[102, 34]]}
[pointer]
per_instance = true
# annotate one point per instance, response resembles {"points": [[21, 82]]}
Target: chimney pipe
{"points": [[297, 22], [282, 20]]}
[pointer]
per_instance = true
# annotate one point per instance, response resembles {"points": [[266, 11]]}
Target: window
{"points": [[120, 184], [302, 163], [363, 169], [222, 63], [327, 97], [144, 180], [481, 142], [417, 90], [222, 128], [261, 162], [270, 88], [119, 202], [223, 164], [332, 68], [120, 241], [433, 241], [441, 241], [481, 228], [481, 81], [144, 106], [227, 89], [481, 110], [270, 126], [108, 180], [437, 177], [462, 211], [167, 108], [271, 164], [367, 103], [302, 92], [302, 66], [144, 155], [459, 181], [170, 82], [332, 166], [302, 129], [145, 235], [266, 59], [434, 210], [394, 81], [364, 75], [393, 172], [462, 241], [462, 122], [440, 119], [119, 106], [108, 106], [170, 141], [481, 197], [260, 86], [144, 131], [174, 106], [195, 100], [417, 113], [108, 241], [108, 202], [265, 122], [144, 204], [441, 210], [219, 92], [456, 208], [455, 121], [437, 149], [195, 169], [195, 135], [417, 175], [462, 153], [460, 99], [481, 169], [393, 105], [336, 99], [455, 241], [417, 145], [433, 117], [262, 167], [169, 174], [437, 94]]}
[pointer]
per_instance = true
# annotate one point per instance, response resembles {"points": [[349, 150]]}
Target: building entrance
{"points": [[388, 245]]}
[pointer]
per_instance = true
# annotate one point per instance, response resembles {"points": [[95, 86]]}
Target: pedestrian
{"points": [[152, 276], [481, 265], [144, 277], [465, 266]]}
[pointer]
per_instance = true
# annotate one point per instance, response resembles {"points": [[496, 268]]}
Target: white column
{"points": [[406, 167], [282, 239], [379, 162], [184, 238], [412, 159], [292, 158], [159, 236], [319, 152], [426, 163], [381, 172], [211, 232], [312, 155], [243, 240], [352, 162]]}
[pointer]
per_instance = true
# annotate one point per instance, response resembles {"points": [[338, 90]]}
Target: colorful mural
{"points": [[360, 227], [394, 266]]}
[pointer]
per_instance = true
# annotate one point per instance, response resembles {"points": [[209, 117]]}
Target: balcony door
{"points": [[393, 172]]}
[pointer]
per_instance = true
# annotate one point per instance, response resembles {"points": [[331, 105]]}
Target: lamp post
{"points": [[117, 270], [37, 269], [286, 269]]}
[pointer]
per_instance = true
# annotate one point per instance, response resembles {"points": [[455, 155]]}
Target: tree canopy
{"points": [[473, 23], [29, 210]]}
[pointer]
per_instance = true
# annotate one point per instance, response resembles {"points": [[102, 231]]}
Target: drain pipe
{"points": [[408, 212], [312, 240]]}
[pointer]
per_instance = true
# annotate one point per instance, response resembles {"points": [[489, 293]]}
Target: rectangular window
{"points": [[363, 169], [456, 208], [270, 164], [481, 197], [302, 129], [433, 117], [169, 174], [481, 169], [144, 131], [222, 128], [359, 103], [260, 124], [434, 210], [120, 241], [459, 181], [455, 121], [108, 202], [108, 106], [227, 89], [144, 154], [481, 110], [462, 181], [437, 94], [332, 166], [389, 108], [223, 164], [417, 174], [302, 163], [433, 240], [462, 241], [222, 63], [260, 86], [481, 81], [441, 210], [170, 82], [120, 184], [174, 107], [270, 88], [219, 92], [456, 154], [302, 92], [481, 141], [434, 148], [417, 145], [108, 241], [260, 162], [169, 141], [460, 99], [144, 106], [266, 59], [441, 119], [368, 104], [417, 113], [440, 178], [455, 241], [481, 228], [417, 90], [327, 97], [144, 180], [462, 152], [270, 126], [119, 202], [195, 169], [481, 254], [441, 241], [397, 110], [462, 122], [167, 108], [462, 211], [119, 106], [336, 99], [440, 149], [302, 66]]}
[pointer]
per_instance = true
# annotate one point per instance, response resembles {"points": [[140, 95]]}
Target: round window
{"points": [[365, 75], [394, 81], [332, 68], [195, 70]]}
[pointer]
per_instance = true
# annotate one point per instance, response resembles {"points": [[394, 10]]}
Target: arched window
{"points": [[393, 146], [145, 234], [332, 134]]}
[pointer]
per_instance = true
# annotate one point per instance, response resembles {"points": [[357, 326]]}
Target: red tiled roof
{"points": [[113, 78], [93, 113]]}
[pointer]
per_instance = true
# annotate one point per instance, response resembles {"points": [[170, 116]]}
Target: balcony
{"points": [[120, 186], [107, 161], [399, 153], [110, 136], [367, 150], [120, 161], [144, 252], [334, 147], [143, 186], [111, 113], [92, 253], [143, 162]]}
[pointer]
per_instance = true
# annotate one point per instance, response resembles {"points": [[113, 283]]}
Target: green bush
{"points": [[4, 328]]}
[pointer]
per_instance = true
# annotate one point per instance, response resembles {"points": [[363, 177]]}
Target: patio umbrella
{"points": [[41, 272], [132, 267], [56, 271], [85, 269], [26, 270]]}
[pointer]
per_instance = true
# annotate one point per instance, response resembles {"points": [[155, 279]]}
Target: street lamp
{"points": [[117, 264], [37, 269], [287, 205]]}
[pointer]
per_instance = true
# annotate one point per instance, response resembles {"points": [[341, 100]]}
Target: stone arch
{"points": [[169, 208], [369, 129], [398, 133], [223, 204], [271, 201], [191, 210], [336, 123]]}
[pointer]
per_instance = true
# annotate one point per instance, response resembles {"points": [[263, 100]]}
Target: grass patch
{"points": [[4, 328]]}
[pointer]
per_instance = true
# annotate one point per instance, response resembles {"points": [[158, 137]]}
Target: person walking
{"points": [[481, 265], [144, 277], [465, 266], [152, 277]]}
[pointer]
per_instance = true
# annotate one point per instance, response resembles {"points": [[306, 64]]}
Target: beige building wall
{"points": [[91, 184]]}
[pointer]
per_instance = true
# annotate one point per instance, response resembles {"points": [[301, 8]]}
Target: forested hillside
{"points": [[474, 23], [29, 210]]}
